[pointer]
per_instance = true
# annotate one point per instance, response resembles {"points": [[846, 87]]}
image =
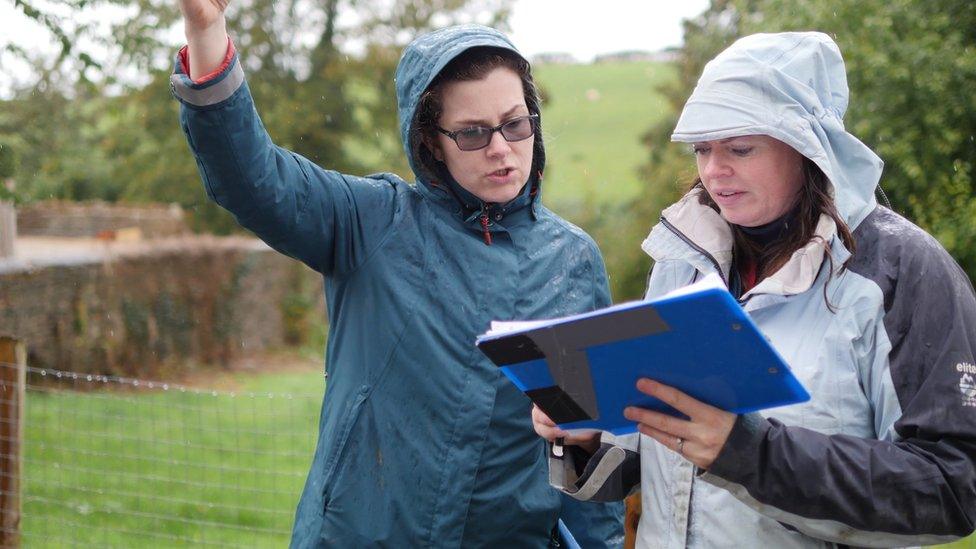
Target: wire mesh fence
{"points": [[118, 462], [104, 461]]}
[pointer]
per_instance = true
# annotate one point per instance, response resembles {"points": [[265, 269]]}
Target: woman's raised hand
{"points": [[199, 15], [206, 34]]}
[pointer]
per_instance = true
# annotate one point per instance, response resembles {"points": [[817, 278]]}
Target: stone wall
{"points": [[192, 299], [91, 219]]}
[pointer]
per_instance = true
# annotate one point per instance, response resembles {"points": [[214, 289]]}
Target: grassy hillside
{"points": [[130, 466], [594, 116]]}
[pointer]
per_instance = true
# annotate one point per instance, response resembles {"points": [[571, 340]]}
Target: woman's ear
{"points": [[435, 148]]}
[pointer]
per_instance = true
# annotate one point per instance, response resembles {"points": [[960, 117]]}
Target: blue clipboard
{"points": [[581, 370]]}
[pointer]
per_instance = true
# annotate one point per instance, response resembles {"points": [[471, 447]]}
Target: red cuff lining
{"points": [[184, 57]]}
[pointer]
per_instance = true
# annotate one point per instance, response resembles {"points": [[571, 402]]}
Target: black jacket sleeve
{"points": [[916, 485]]}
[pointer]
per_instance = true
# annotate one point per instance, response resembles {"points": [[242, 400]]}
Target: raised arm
{"points": [[325, 219]]}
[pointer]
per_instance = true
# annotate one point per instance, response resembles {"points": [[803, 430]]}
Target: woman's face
{"points": [[754, 179], [497, 172]]}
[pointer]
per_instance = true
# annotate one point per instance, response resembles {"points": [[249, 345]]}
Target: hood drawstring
{"points": [[488, 212], [484, 224], [484, 216]]}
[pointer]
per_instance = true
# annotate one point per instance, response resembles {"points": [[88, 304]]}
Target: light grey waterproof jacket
{"points": [[883, 454]]}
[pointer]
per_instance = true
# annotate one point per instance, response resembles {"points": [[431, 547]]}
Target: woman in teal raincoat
{"points": [[422, 442]]}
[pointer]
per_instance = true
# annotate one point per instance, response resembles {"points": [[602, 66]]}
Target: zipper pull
{"points": [[484, 225]]}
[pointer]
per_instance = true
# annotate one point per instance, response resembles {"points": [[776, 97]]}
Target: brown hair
{"points": [[472, 64], [814, 200]]}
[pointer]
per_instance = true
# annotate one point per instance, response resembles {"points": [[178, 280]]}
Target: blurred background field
{"points": [[594, 115], [112, 462]]}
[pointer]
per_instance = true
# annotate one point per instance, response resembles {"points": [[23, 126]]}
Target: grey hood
{"points": [[793, 87]]}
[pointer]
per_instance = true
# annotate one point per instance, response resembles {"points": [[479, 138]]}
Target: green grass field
{"points": [[968, 543], [141, 467], [136, 466], [594, 116]]}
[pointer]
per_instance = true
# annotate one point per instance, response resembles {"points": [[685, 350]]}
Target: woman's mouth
{"points": [[727, 197], [501, 176]]}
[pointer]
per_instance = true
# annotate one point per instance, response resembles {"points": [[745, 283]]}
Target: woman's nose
{"points": [[498, 145], [714, 166]]}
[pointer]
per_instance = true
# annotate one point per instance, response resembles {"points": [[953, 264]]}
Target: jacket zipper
{"points": [[697, 248], [484, 224]]}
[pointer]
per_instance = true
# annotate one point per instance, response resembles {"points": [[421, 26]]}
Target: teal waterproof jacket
{"points": [[422, 441]]}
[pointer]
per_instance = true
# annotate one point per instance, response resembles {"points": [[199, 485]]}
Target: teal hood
{"points": [[422, 60], [793, 87]]}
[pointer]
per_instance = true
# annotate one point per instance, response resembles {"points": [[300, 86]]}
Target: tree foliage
{"points": [[79, 142], [911, 69]]}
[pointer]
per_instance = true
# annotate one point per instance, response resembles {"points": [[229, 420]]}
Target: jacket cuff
{"points": [[741, 447], [608, 475], [212, 88], [183, 57]]}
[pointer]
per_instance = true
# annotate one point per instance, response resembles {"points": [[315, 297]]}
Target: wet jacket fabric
{"points": [[422, 442], [883, 454]]}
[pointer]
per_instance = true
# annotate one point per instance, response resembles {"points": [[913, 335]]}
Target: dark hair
{"points": [[813, 201], [472, 64]]}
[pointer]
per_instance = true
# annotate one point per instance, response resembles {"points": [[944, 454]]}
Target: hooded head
{"points": [[792, 87], [422, 61]]}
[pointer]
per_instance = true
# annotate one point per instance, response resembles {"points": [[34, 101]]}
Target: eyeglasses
{"points": [[472, 139]]}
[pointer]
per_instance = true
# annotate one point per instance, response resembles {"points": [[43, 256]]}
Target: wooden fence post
{"points": [[8, 228], [13, 380]]}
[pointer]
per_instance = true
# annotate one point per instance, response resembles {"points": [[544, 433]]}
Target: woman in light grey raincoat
{"points": [[422, 441], [870, 312]]}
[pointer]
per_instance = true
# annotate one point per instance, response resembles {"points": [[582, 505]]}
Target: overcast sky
{"points": [[585, 28]]}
